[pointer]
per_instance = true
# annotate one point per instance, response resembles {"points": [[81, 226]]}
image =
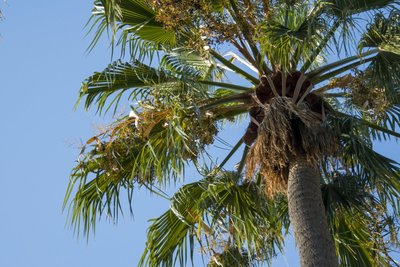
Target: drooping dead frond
{"points": [[287, 129]]}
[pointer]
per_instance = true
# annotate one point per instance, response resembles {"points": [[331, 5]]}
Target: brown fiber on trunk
{"points": [[307, 215], [286, 128], [265, 95]]}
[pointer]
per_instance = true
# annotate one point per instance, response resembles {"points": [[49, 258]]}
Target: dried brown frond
{"points": [[115, 144], [149, 118], [287, 129]]}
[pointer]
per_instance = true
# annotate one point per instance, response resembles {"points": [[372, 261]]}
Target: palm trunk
{"points": [[307, 215]]}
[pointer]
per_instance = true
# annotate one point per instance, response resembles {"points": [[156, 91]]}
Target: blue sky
{"points": [[42, 63]]}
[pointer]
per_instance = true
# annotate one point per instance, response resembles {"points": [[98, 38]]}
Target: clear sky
{"points": [[42, 63]]}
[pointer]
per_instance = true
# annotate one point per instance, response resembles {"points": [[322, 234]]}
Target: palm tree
{"points": [[325, 86]]}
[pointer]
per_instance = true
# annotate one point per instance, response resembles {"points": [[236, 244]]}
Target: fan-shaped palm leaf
{"points": [[221, 213]]}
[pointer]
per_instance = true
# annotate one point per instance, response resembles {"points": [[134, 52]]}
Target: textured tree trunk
{"points": [[307, 215]]}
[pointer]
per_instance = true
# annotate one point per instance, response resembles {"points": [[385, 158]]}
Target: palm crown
{"points": [[301, 99]]}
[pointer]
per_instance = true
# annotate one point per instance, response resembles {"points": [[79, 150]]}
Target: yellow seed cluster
{"points": [[212, 19], [175, 13], [367, 96]]}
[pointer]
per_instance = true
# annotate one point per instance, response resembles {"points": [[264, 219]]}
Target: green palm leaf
{"points": [[381, 173], [290, 34], [346, 7], [171, 236], [190, 63], [384, 34], [355, 216], [134, 22], [116, 79], [225, 213]]}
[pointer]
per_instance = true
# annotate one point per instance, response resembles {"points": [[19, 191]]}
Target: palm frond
{"points": [[130, 22], [140, 81], [234, 68], [391, 117], [355, 242], [356, 220], [290, 34], [345, 191], [116, 79], [384, 34], [226, 213], [191, 63], [346, 7], [342, 65], [344, 15], [153, 147], [356, 145], [171, 236], [380, 173], [94, 198]]}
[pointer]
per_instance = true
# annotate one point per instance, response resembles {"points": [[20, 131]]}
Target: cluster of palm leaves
{"points": [[176, 81]]}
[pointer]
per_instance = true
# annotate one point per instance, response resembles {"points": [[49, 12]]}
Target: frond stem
{"points": [[244, 28], [234, 68], [226, 85], [224, 100], [339, 63], [231, 111], [242, 49], [335, 94], [233, 151], [316, 52], [243, 160], [370, 124], [331, 74]]}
